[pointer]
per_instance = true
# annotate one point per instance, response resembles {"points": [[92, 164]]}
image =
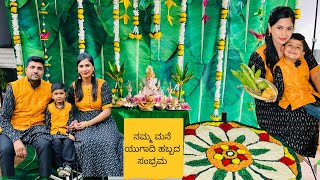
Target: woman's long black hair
{"points": [[78, 90], [277, 13]]}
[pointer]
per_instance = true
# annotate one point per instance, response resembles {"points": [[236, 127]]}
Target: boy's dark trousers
{"points": [[64, 152]]}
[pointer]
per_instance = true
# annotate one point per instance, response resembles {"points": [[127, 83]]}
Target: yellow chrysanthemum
{"points": [[116, 44], [81, 41], [180, 52], [14, 9], [116, 49], [82, 46], [138, 36], [156, 16], [19, 68], [182, 20], [157, 35], [131, 36], [181, 46], [135, 18], [13, 4], [183, 14], [80, 16], [80, 11]]}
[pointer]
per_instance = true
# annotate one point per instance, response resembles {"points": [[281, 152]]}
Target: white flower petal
{"points": [[250, 136], [208, 174], [194, 140], [189, 170], [275, 151], [282, 171], [203, 132], [254, 175]]}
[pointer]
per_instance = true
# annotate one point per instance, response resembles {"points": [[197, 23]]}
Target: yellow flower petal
{"points": [[241, 151], [218, 157], [224, 147], [236, 161]]}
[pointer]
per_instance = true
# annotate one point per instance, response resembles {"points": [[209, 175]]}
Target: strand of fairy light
{"points": [[116, 41], [16, 37], [221, 47], [135, 34], [81, 32], [183, 20], [297, 10]]}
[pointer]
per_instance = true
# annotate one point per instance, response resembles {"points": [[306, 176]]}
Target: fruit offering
{"points": [[257, 87]]}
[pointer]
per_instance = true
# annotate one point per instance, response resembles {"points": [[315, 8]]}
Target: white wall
{"points": [[305, 25]]}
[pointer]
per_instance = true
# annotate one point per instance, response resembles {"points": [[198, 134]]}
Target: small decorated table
{"points": [[119, 114]]}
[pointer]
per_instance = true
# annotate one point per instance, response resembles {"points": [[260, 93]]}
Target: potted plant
{"points": [[181, 77]]}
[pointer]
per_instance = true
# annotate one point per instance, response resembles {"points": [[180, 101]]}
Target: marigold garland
{"points": [[183, 20], [81, 33], [135, 34], [16, 37], [221, 46], [156, 34], [44, 35], [116, 41], [297, 10]]}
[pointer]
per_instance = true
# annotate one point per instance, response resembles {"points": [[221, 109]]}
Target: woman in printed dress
{"points": [[296, 128], [99, 144]]}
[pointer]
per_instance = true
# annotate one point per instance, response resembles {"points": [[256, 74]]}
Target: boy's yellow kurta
{"points": [[59, 118], [297, 89]]}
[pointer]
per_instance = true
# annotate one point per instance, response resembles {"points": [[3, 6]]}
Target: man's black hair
{"points": [[35, 59]]}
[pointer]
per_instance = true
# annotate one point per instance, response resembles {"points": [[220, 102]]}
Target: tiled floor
{"points": [[306, 170]]}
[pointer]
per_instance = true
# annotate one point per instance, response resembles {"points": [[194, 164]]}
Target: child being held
{"points": [[291, 77], [58, 117]]}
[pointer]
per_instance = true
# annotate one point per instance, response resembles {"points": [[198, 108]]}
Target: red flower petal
{"points": [[242, 157], [264, 137], [287, 161], [233, 148], [218, 150], [190, 132], [225, 127], [226, 162], [190, 177]]}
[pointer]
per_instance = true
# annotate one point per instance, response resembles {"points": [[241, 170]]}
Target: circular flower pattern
{"points": [[217, 150]]}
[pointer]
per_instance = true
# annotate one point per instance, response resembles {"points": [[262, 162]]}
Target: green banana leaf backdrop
{"points": [[200, 46]]}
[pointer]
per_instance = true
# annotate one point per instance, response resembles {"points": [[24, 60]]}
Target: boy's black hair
{"points": [[35, 59], [58, 85], [299, 37]]}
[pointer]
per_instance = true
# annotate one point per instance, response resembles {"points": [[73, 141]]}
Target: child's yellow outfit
{"points": [[292, 81], [57, 121]]}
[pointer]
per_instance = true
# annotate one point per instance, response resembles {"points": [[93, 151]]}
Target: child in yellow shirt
{"points": [[58, 117], [291, 77]]}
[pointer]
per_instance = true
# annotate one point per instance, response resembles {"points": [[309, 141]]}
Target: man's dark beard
{"points": [[35, 83]]}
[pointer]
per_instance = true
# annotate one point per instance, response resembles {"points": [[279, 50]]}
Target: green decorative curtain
{"points": [[200, 46]]}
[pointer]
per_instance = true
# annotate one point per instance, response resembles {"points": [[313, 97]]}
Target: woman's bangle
{"points": [[87, 124]]}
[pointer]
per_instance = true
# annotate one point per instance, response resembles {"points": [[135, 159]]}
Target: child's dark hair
{"points": [[57, 85], [299, 37]]}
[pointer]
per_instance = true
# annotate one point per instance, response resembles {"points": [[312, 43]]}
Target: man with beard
{"points": [[23, 119]]}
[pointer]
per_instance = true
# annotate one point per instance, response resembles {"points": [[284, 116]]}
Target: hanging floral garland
{"points": [[135, 34], [221, 46], [156, 34], [81, 33], [44, 35], [16, 37], [297, 10], [116, 41], [183, 20]]}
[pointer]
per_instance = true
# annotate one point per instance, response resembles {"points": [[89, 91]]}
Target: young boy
{"points": [[291, 77], [58, 116]]}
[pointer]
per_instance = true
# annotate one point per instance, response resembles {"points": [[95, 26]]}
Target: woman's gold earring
{"points": [[79, 77], [269, 34]]}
